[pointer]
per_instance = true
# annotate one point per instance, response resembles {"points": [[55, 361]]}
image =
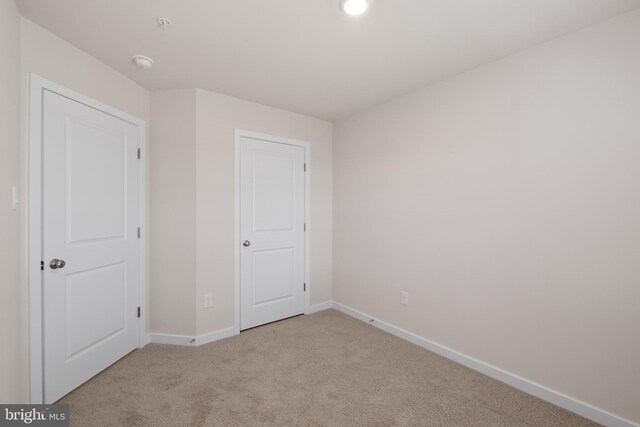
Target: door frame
{"points": [[238, 135], [37, 85]]}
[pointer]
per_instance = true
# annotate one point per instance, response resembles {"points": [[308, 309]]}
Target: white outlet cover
{"points": [[404, 297], [208, 300]]}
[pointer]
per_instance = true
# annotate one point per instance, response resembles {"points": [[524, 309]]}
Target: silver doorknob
{"points": [[246, 243], [57, 263]]}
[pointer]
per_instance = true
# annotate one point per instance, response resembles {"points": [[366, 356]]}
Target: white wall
{"points": [[217, 117], [48, 56], [192, 204], [54, 59], [172, 236], [506, 201], [12, 383]]}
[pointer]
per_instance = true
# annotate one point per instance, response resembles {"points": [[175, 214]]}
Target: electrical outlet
{"points": [[404, 297], [208, 300]]}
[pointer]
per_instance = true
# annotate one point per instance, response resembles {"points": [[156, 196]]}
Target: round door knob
{"points": [[57, 263], [246, 243]]}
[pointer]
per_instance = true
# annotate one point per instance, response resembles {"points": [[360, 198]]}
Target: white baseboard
{"points": [[171, 339], [574, 405], [319, 307], [215, 336], [146, 339], [186, 340]]}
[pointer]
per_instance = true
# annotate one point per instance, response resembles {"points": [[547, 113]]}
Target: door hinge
{"points": [[138, 312], [139, 232], [42, 265], [139, 154], [304, 287], [305, 167], [304, 228]]}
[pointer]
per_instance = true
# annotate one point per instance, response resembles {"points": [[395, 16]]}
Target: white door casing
{"points": [[272, 217], [92, 203]]}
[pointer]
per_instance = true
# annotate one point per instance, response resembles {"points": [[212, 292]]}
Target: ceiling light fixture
{"points": [[354, 7], [143, 61]]}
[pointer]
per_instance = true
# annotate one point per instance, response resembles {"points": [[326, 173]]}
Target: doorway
{"points": [[272, 228], [86, 252]]}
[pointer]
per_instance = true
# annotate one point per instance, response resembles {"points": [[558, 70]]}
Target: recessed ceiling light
{"points": [[143, 61], [354, 7]]}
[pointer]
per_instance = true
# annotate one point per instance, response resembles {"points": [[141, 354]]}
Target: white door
{"points": [[90, 224], [272, 231]]}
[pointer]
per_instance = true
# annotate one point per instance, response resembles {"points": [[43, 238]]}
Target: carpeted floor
{"points": [[325, 369]]}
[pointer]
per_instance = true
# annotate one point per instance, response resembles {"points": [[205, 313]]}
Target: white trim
{"points": [[34, 239], [239, 133], [236, 232], [143, 337], [171, 339], [34, 226], [319, 307], [186, 340], [146, 339], [191, 341], [215, 336], [567, 402]]}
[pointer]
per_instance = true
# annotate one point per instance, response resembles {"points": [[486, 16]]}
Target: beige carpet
{"points": [[325, 369]]}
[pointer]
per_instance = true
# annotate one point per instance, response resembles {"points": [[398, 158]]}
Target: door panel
{"points": [[90, 220], [91, 155], [273, 193], [273, 275], [104, 284], [272, 212]]}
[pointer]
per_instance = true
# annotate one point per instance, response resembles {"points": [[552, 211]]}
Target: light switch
{"points": [[15, 197]]}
